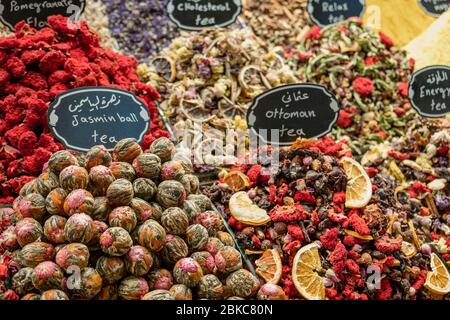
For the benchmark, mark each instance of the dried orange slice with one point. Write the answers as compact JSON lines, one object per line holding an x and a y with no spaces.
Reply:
{"x":165,"y":67}
{"x":243,"y":210}
{"x":305,"y":273}
{"x":269,"y":266}
{"x":359,"y":187}
{"x":438,"y":279}
{"x":358,"y":236}
{"x":237,"y":181}
{"x":408,"y":249}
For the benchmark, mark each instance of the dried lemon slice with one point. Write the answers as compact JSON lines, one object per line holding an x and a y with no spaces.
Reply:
{"x":305,"y":273}
{"x":408,"y":249}
{"x":252,"y":81}
{"x":237,"y":181}
{"x":359,"y":187}
{"x":269,"y":266}
{"x":230,"y":110}
{"x":195,"y":110}
{"x":438,"y":280}
{"x":243,"y":210}
{"x":165,"y":67}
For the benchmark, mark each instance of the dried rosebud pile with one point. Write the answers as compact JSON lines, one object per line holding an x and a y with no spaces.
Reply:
{"x":128,"y":225}
{"x":278,"y":22}
{"x":142,"y":28}
{"x":419,"y":161}
{"x":368,"y":75}
{"x":305,"y":200}
{"x":35,"y":66}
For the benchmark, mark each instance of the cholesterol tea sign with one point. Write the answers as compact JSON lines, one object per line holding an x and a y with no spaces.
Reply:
{"x":84,"y":117}
{"x":195,"y":15}
{"x":283,"y":114}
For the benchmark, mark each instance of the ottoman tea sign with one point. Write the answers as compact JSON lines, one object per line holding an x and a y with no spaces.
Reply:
{"x":325,"y":12}
{"x":429,"y":91}
{"x":195,"y":15}
{"x":84,"y":117}
{"x":283,"y":114}
{"x":35,"y":12}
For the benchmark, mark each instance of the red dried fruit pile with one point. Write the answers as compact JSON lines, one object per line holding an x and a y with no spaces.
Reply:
{"x":361,"y":257}
{"x":35,"y":66}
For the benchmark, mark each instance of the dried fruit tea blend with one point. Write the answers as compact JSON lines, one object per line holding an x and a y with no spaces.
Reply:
{"x":316,"y":235}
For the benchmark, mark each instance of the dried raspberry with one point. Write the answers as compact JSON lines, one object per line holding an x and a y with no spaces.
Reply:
{"x":402,"y":89}
{"x":385,"y":292}
{"x":363,"y":86}
{"x":352,"y":266}
{"x":330,"y":239}
{"x":253,"y":174}
{"x":339,"y":253}
{"x":359,"y":225}
{"x":345,"y":119}
{"x":349,"y":241}
{"x":420,"y":280}
{"x":288,"y":213}
{"x":386,"y":244}
{"x":295,"y":231}
{"x":292,"y":247}
{"x":337,"y":217}
{"x":304,"y":196}
{"x":331,"y":293}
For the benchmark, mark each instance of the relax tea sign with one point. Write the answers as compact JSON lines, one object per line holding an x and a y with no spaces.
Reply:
{"x":84,"y":117}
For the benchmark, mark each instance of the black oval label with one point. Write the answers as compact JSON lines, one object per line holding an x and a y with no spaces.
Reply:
{"x":35,"y":12}
{"x":434,"y":7}
{"x":84,"y":117}
{"x":326,"y":12}
{"x":283,"y":114}
{"x":195,"y":15}
{"x":429,"y":91}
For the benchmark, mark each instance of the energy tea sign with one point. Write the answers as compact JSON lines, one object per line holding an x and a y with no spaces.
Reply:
{"x":434,"y":7}
{"x":84,"y":117}
{"x":195,"y":15}
{"x":283,"y":114}
{"x":35,"y":12}
{"x":429,"y":91}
